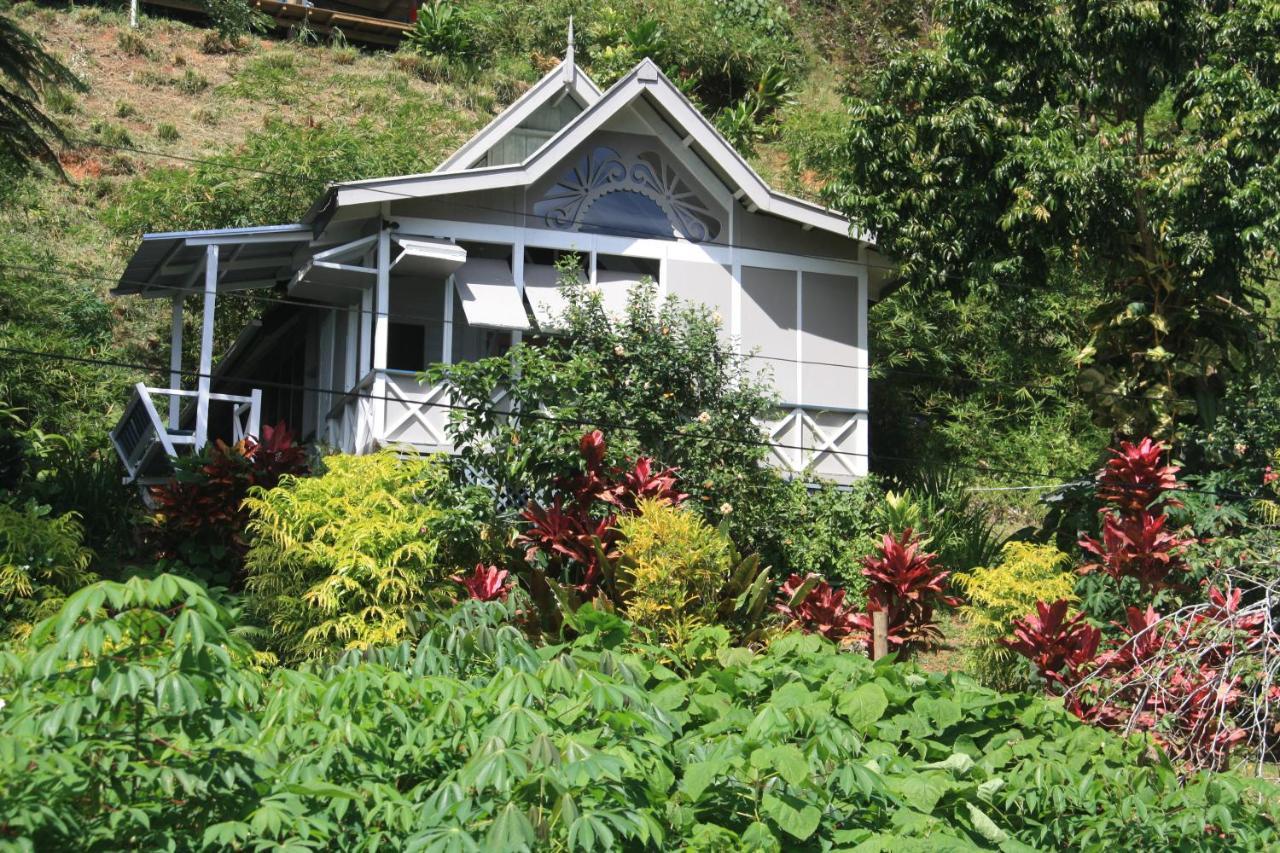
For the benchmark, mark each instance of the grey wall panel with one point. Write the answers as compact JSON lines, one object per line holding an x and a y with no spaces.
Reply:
{"x":773,"y":234}
{"x":769,"y":314}
{"x":829,"y":341}
{"x":710,"y":284}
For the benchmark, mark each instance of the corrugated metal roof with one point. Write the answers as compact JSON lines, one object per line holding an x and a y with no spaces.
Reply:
{"x":248,"y":257}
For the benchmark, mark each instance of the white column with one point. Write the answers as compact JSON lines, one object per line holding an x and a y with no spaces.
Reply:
{"x":351,"y":368}
{"x":517,"y":272}
{"x":862,"y":436}
{"x":446,"y":357}
{"x":328,"y":335}
{"x":175,"y":361}
{"x":366,"y":333}
{"x":381,"y":330}
{"x":206,"y":346}
{"x":800,"y":428}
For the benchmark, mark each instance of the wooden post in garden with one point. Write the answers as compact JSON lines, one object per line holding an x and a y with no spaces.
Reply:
{"x":879,"y":634}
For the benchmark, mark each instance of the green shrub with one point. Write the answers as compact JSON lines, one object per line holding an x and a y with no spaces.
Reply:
{"x":445,"y":28}
{"x":1005,"y":591}
{"x":663,"y":383}
{"x":938,"y":506}
{"x":472,"y":738}
{"x":351,"y":558}
{"x":192,"y":82}
{"x":674,"y":565}
{"x":166,"y":132}
{"x":42,"y":559}
{"x":131,"y":42}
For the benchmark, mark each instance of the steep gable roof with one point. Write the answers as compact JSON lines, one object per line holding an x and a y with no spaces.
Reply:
{"x":646,"y":81}
{"x":565,"y":80}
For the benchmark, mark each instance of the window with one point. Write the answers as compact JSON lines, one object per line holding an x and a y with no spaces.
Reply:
{"x":617,"y":276}
{"x":542,"y":284}
{"x":406,"y":347}
{"x":627,"y":213}
{"x":486,"y":288}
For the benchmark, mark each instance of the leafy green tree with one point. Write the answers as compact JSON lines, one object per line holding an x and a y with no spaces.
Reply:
{"x":662,"y":382}
{"x":1134,"y":145}
{"x":26,"y":69}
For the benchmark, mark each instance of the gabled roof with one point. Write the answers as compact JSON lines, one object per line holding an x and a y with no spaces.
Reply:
{"x":646,"y":81}
{"x":565,"y":80}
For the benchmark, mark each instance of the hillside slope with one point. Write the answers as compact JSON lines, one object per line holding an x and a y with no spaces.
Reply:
{"x":277,"y":118}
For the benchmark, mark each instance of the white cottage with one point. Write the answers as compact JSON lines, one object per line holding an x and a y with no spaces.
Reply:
{"x":382,"y":277}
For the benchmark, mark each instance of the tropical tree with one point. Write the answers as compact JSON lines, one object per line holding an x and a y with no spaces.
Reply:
{"x":1134,"y":145}
{"x":25,"y":71}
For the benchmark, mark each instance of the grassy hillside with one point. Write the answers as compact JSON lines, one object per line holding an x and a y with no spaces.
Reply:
{"x":304,"y":111}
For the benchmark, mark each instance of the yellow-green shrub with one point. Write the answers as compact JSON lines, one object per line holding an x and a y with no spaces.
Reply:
{"x":42,"y":559}
{"x":671,"y":568}
{"x":997,"y":595}
{"x":345,"y":560}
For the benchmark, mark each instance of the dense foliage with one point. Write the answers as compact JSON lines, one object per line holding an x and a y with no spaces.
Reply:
{"x":1130,"y":144}
{"x":134,"y":717}
{"x":663,"y":383}
{"x":200,"y":517}
{"x":42,"y":560}
{"x":1203,"y":676}
{"x":354,"y":558}
{"x":996,"y":595}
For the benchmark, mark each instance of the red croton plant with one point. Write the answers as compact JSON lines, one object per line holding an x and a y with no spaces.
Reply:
{"x":485,"y":583}
{"x":1188,"y":678}
{"x":198,"y":512}
{"x":566,"y":539}
{"x":906,"y":583}
{"x":1134,"y":487}
{"x":816,"y":607}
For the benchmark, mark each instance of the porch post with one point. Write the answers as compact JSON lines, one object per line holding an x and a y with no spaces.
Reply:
{"x":175,"y":362}
{"x":206,"y":347}
{"x":382,"y":329}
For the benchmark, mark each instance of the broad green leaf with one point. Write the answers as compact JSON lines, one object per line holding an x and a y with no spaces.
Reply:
{"x":985,"y":826}
{"x":785,"y":760}
{"x":863,"y":706}
{"x":792,"y":815}
{"x":698,"y":776}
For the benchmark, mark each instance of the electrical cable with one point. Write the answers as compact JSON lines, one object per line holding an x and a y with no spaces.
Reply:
{"x":583,"y":422}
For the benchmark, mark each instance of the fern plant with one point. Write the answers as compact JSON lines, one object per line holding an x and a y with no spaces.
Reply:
{"x":347,"y":559}
{"x":1005,"y":591}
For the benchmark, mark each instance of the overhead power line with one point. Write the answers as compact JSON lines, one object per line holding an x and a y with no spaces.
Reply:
{"x":1058,"y":480}
{"x":880,"y":370}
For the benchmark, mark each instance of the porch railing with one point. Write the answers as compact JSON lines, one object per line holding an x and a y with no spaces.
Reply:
{"x":146,"y":442}
{"x":827,"y":443}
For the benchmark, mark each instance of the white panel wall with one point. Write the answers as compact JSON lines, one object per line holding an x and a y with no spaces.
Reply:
{"x":769,"y":313}
{"x":710,"y":284}
{"x":829,"y":341}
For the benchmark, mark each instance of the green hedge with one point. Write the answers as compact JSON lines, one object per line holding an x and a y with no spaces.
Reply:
{"x":135,"y":720}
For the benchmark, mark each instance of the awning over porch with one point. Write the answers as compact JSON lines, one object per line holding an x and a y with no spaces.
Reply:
{"x":173,"y":261}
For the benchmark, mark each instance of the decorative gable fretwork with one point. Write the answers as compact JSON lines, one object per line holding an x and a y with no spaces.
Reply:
{"x":646,"y":197}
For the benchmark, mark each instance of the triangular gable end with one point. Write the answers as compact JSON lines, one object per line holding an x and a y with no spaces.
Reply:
{"x":646,"y":81}
{"x":530,"y":122}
